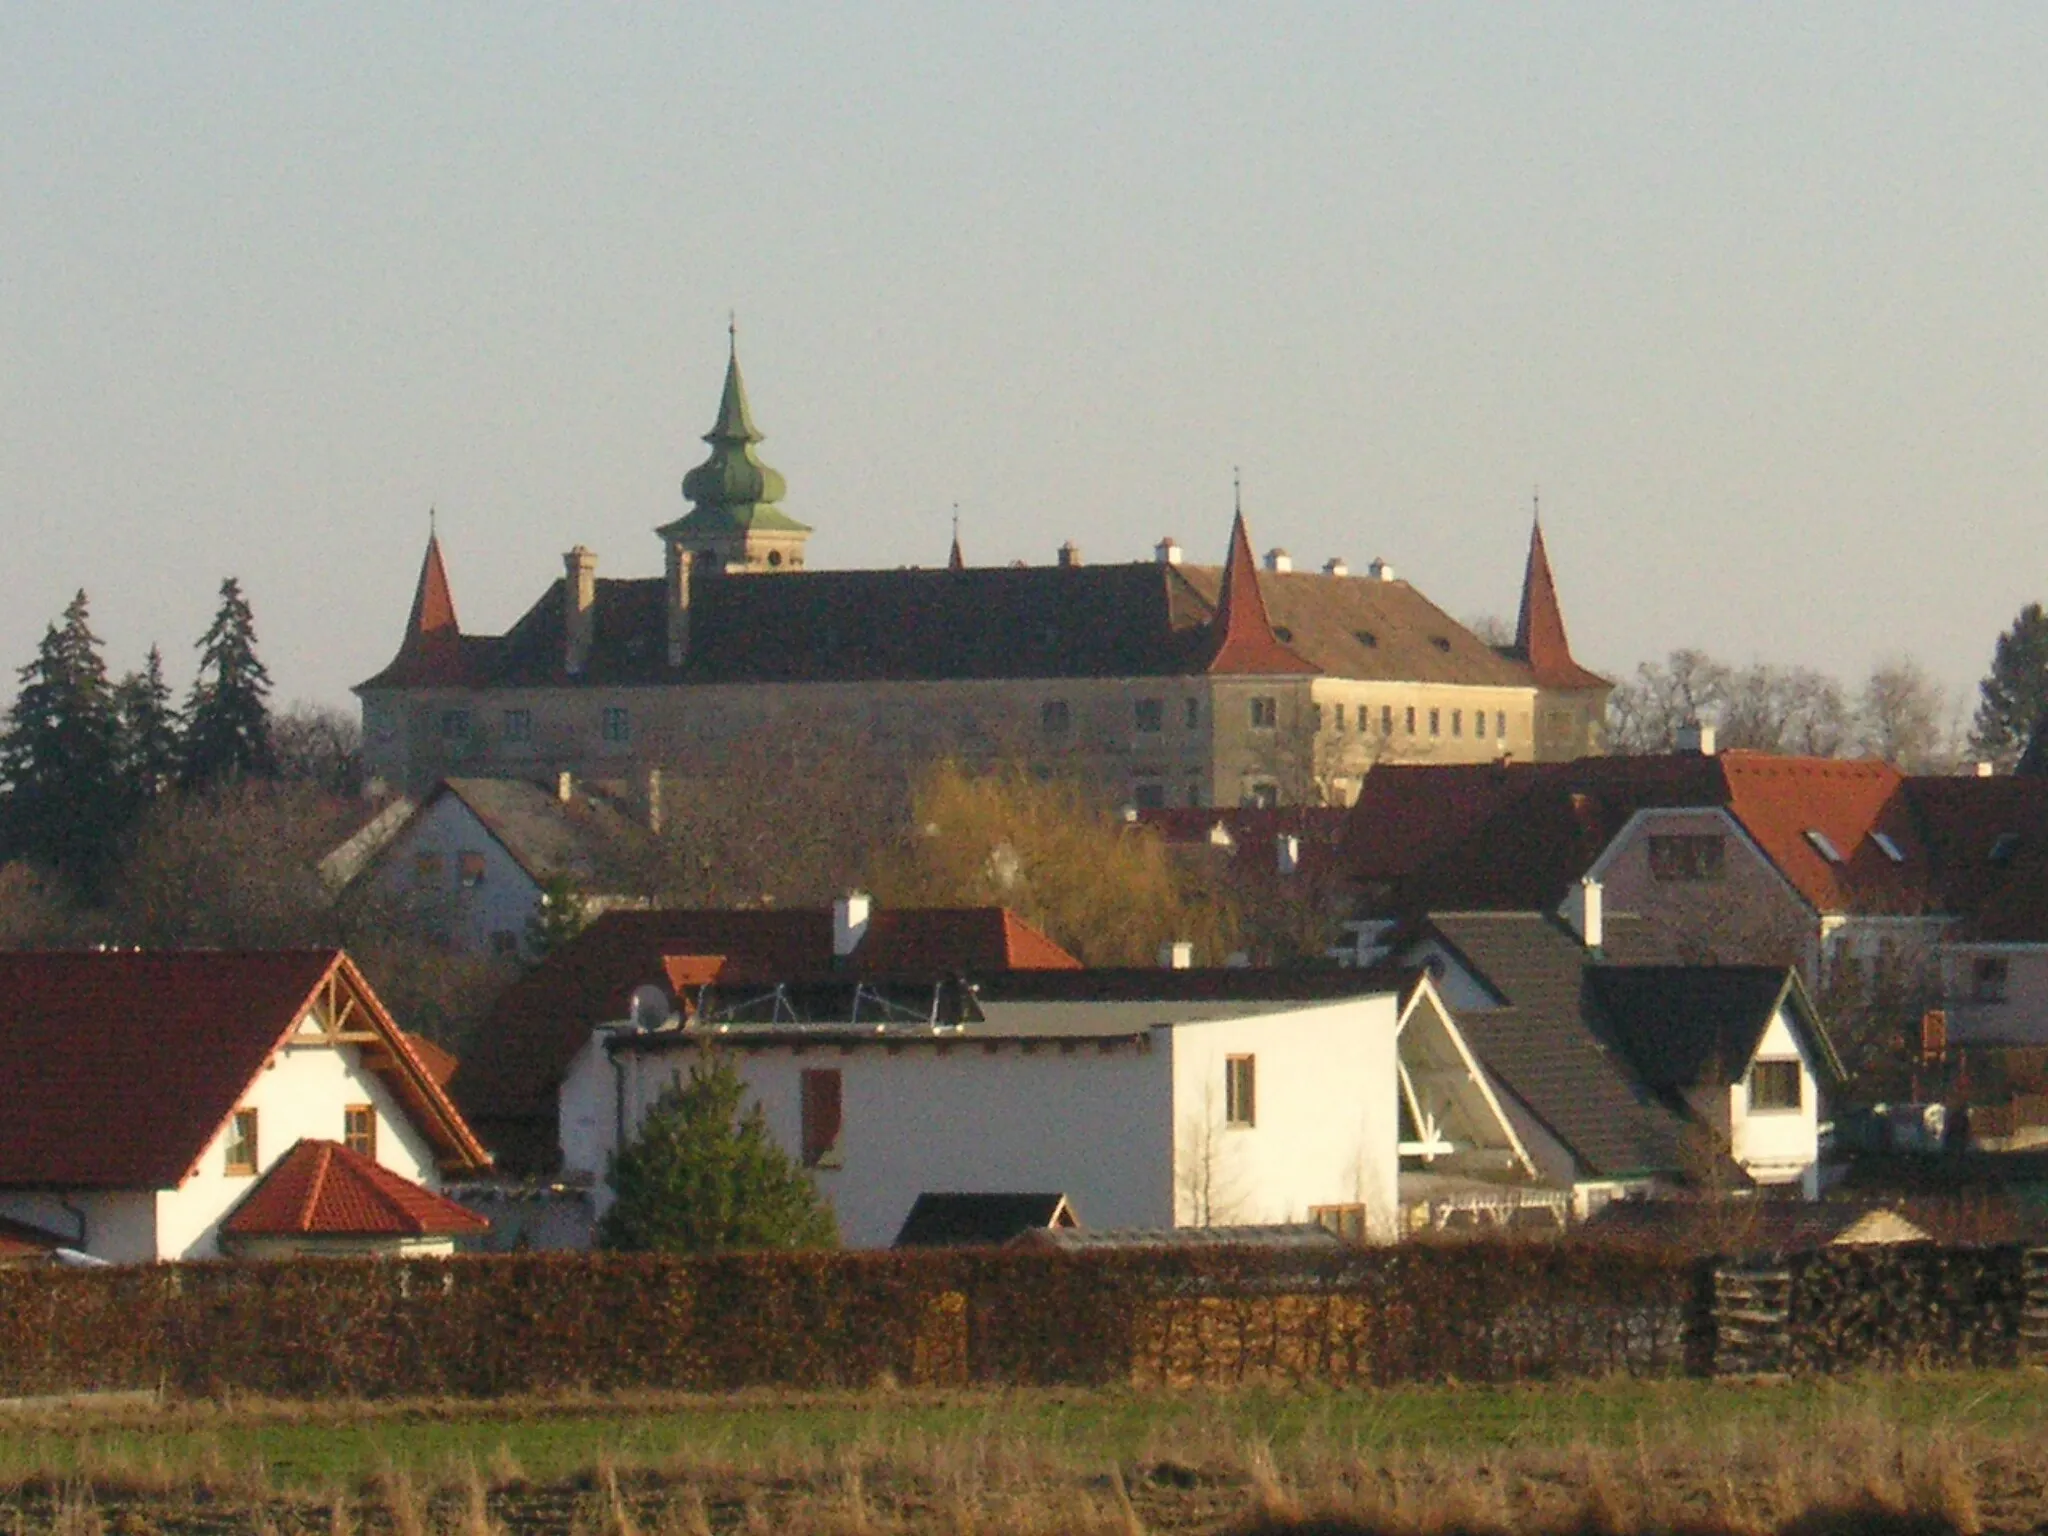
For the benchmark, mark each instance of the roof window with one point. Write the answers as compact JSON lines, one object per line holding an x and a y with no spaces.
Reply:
{"x":1823,"y":845}
{"x":2004,"y":847}
{"x":1887,"y":847}
{"x":1366,"y":638}
{"x":1441,"y":642}
{"x":1283,"y":633}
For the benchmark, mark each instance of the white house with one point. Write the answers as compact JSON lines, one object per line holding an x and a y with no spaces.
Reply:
{"x":1149,"y":1099}
{"x":149,"y":1098}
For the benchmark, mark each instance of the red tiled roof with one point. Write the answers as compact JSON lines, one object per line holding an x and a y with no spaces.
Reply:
{"x":540,"y":1022}
{"x":432,"y":654}
{"x":1539,"y":631}
{"x":321,"y":1188}
{"x":1779,"y":800}
{"x":1245,"y":642}
{"x":122,"y":1066}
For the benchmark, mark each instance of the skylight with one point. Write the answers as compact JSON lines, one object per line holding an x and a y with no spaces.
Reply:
{"x":1887,"y":847}
{"x":1823,"y":845}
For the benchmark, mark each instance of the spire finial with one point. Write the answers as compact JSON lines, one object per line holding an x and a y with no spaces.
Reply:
{"x":1236,"y":491}
{"x":1536,"y":505}
{"x":732,"y":330}
{"x":955,"y":561}
{"x":430,"y":521}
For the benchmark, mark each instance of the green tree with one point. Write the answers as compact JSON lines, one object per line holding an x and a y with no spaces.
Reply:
{"x":227,"y":722}
{"x":2013,"y":697}
{"x":147,"y":724}
{"x":66,"y":809}
{"x":705,"y":1176}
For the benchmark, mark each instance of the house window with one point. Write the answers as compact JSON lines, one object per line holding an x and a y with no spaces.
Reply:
{"x":1265,"y":712}
{"x":1194,"y":791}
{"x":1149,"y":714}
{"x":1340,"y":720}
{"x":1240,"y":1090}
{"x":469,"y":870}
{"x":359,"y":1130}
{"x":454,"y":725}
{"x":1148,"y":794}
{"x":426,"y":868}
{"x":821,"y":1118}
{"x":1457,"y":722}
{"x":241,"y":1158}
{"x":1436,"y":721}
{"x":504,"y":942}
{"x":1411,"y":719}
{"x":1774,"y":1085}
{"x":617,"y":725}
{"x":1387,"y":720}
{"x":1688,"y":857}
{"x":1191,"y":713}
{"x":1347,"y":1221}
{"x":1987,"y":979}
{"x":1054,"y":718}
{"x":1500,"y":723}
{"x":518,"y":725}
{"x":1262,"y":795}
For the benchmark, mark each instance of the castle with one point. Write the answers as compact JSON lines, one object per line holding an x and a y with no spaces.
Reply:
{"x":1166,"y":682}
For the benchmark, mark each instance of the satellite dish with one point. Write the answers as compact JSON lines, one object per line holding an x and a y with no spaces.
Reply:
{"x":650,"y":1008}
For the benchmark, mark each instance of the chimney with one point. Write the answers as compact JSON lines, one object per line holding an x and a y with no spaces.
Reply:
{"x":653,"y":806}
{"x":1167,"y":550}
{"x":1986,"y":770}
{"x":565,"y":786}
{"x":1070,"y":555}
{"x":1582,"y":912}
{"x":1177,"y":956}
{"x":579,"y":606}
{"x":1287,"y":853}
{"x":681,"y":563}
{"x":1696,"y":739}
{"x":1335,"y":566}
{"x":1279,"y":560}
{"x":850,"y":922}
{"x":1379,"y":570}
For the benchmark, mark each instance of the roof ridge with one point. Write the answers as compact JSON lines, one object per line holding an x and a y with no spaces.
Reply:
{"x":316,"y":1185}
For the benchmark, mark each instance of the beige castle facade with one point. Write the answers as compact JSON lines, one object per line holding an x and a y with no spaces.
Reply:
{"x":1167,"y":683}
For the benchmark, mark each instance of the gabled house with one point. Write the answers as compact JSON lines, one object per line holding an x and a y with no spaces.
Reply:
{"x":152,"y":1096}
{"x":509,"y":1079}
{"x":479,"y":855}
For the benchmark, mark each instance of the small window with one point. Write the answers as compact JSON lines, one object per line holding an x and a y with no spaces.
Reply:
{"x":469,"y":870}
{"x":426,"y":868}
{"x":1340,"y":720}
{"x":1265,"y":712}
{"x":1411,"y":719}
{"x":821,"y":1117}
{"x":1283,"y":634}
{"x":518,"y":725}
{"x":504,"y":942}
{"x":1240,"y":1091}
{"x":1500,"y":724}
{"x":1191,"y":713}
{"x":241,"y":1157}
{"x":359,"y":1130}
{"x":1441,"y":642}
{"x":1987,"y":979}
{"x":1347,"y":1221}
{"x":1436,"y":722}
{"x":1148,"y":794}
{"x":454,"y":725}
{"x":1688,"y":857}
{"x":1263,"y":795}
{"x":1774,"y":1085}
{"x":1479,"y":723}
{"x":617,"y":725}
{"x":1366,"y":638}
{"x":1054,"y":718}
{"x":1823,"y":845}
{"x":1194,"y":791}
{"x":1887,"y":847}
{"x":1315,"y":717}
{"x":1387,"y":720}
{"x":1457,"y":722}
{"x":1149,"y":714}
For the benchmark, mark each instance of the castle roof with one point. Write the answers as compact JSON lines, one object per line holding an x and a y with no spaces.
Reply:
{"x":1539,"y":631}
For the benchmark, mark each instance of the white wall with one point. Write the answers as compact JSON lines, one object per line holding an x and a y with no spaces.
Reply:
{"x":503,"y":902}
{"x":1326,"y":1124}
{"x":1779,"y":1146}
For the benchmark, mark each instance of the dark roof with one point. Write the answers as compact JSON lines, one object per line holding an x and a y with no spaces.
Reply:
{"x":322,"y":1189}
{"x":1300,"y":1234}
{"x":21,"y":1243}
{"x":1543,"y":1048}
{"x":962,"y":1220}
{"x":1686,"y":1025}
{"x":122,"y":1066}
{"x":586,"y":839}
{"x":1989,"y":842}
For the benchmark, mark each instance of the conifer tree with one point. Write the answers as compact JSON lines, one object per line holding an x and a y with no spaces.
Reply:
{"x":227,"y":722}
{"x":66,"y":807}
{"x":2014,"y":694}
{"x":150,"y":750}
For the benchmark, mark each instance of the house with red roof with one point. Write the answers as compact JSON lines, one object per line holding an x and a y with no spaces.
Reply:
{"x":202,"y":1104}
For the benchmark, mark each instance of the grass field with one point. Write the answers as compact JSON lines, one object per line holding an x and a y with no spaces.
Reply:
{"x":1968,"y":1450}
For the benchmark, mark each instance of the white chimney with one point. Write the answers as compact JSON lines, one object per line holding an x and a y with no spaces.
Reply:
{"x":1287,"y":853}
{"x":565,"y":786}
{"x":680,"y":564}
{"x":1335,"y":566}
{"x":1177,"y":956}
{"x":1379,"y":570}
{"x":1696,"y":739}
{"x":1168,"y":550}
{"x":1986,"y":770}
{"x":1279,"y":560}
{"x":579,"y":606}
{"x":1583,"y":912}
{"x":850,"y":922}
{"x":1070,"y":555}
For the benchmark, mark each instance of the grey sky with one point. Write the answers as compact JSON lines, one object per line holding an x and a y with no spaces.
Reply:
{"x":1755,"y":294}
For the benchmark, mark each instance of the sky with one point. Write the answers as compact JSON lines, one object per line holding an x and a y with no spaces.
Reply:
{"x":1755,"y":295}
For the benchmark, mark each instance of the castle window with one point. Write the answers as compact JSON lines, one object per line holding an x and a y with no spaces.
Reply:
{"x":1148,"y":794}
{"x":1054,"y":718}
{"x":1149,"y":714}
{"x":1436,"y":722}
{"x":1340,"y":718}
{"x":774,"y":557}
{"x":1411,"y":719}
{"x":1262,"y":796}
{"x":1387,"y":720}
{"x":1191,"y":713}
{"x":454,"y":725}
{"x":1500,"y":723}
{"x":617,"y":725}
{"x":1457,"y":722}
{"x":518,"y":725}
{"x":1315,"y":717}
{"x":1265,"y":712}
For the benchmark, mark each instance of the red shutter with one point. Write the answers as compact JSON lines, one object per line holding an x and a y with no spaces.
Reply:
{"x":821,"y":1115}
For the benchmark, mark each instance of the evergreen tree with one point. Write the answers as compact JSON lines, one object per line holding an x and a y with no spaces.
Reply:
{"x":66,"y":807}
{"x":2015,"y":691}
{"x":705,"y":1177}
{"x":227,"y":723}
{"x":150,"y":750}
{"x":559,"y":917}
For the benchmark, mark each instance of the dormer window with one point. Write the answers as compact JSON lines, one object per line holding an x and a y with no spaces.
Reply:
{"x":1823,"y":845}
{"x":1887,"y":847}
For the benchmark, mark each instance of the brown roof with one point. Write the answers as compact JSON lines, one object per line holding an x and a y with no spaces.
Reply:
{"x":1989,"y":842}
{"x":122,"y":1066}
{"x":432,"y":654}
{"x":1539,"y":630}
{"x":585,"y":838}
{"x":323,"y":1189}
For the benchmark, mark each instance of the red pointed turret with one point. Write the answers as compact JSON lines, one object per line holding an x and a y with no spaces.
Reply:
{"x":1539,"y":632}
{"x":1244,"y":637}
{"x":430,"y":655}
{"x":956,"y":561}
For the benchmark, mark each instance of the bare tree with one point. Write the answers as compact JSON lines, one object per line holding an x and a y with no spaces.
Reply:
{"x":320,"y":745}
{"x":1646,"y":712}
{"x":1904,"y":716}
{"x":1785,"y":709}
{"x":1208,"y":1188}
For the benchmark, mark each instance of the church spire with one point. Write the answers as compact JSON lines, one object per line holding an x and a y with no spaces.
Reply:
{"x":430,"y":655}
{"x":1244,"y":640}
{"x":956,"y":561}
{"x":1539,"y":631}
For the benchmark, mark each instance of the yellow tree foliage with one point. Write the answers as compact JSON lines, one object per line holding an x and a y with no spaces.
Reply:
{"x":1109,"y":891}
